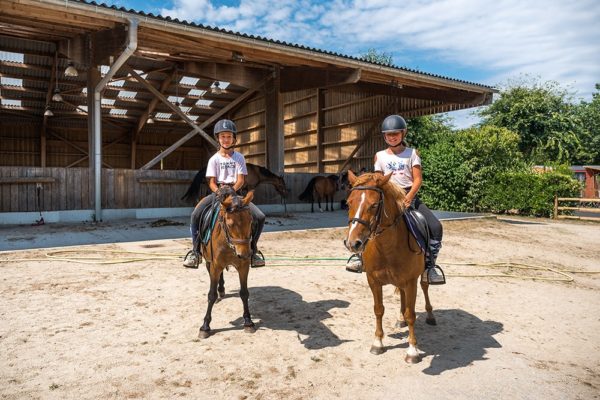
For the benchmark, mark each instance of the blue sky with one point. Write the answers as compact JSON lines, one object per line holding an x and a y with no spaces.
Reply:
{"x":483,"y":41}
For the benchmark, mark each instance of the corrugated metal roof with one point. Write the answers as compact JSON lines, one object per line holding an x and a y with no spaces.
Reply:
{"x":268,"y":40}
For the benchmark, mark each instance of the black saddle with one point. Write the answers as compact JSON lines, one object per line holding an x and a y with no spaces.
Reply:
{"x":417,"y":224}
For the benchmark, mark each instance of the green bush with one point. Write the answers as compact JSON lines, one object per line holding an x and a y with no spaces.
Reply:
{"x":527,"y":192}
{"x":458,"y":168}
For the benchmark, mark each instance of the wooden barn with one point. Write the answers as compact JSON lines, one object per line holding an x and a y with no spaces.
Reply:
{"x":107,"y":112}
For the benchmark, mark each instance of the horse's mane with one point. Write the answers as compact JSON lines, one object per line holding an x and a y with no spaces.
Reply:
{"x":264,"y":171}
{"x":390,"y":188}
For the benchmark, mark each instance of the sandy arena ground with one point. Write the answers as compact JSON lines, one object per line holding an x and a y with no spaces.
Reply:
{"x":129,"y":330}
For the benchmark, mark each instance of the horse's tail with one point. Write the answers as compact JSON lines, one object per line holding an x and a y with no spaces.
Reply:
{"x":193,"y":191}
{"x":307,"y":195}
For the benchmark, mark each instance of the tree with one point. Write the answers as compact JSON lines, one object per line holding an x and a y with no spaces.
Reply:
{"x":545,"y":118}
{"x":424,"y":131}
{"x":589,"y":114}
{"x":374,"y":56}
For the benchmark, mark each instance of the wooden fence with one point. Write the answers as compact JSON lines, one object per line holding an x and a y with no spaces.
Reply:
{"x":58,"y":188}
{"x":591,"y":213}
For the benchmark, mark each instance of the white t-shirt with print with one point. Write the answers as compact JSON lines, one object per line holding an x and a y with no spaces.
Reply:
{"x":226,"y":169}
{"x":400,"y":165}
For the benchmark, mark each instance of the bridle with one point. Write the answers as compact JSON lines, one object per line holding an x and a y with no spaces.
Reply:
{"x":231,"y":241}
{"x":371,"y":226}
{"x":374,"y":227}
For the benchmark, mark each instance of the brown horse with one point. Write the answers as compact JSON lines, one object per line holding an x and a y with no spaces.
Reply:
{"x":257,"y":175}
{"x":320,"y":187}
{"x":229,"y":245}
{"x":390,"y":253}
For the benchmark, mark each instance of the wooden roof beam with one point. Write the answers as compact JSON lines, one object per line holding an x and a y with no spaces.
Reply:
{"x":152,"y":105}
{"x":450,"y":95}
{"x":297,"y":78}
{"x":237,"y":74}
{"x":206,"y":123}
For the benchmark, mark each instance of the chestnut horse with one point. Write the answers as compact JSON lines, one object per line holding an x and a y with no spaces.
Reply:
{"x":390,"y":253}
{"x":229,"y":245}
{"x":320,"y":187}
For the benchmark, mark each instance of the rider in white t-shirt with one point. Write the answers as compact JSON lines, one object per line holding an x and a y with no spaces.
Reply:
{"x":225,"y":168}
{"x":404,"y":164}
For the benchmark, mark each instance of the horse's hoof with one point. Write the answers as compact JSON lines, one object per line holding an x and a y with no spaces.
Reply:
{"x":377,"y":350}
{"x":203,"y":334}
{"x":401,"y":324}
{"x":430,"y":321}
{"x":412,"y":359}
{"x":249,"y":329}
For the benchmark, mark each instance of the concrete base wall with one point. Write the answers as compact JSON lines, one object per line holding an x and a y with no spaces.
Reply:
{"x":20,"y":218}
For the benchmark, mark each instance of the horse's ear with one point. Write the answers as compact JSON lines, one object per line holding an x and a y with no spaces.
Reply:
{"x":227,"y":202}
{"x":386,"y":178}
{"x":248,"y":198}
{"x":351,"y":177}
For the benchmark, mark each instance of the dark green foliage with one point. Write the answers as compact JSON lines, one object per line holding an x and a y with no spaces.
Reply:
{"x":545,"y":118}
{"x":457,"y":169}
{"x":423,"y":132}
{"x":589,"y":113}
{"x":528,"y":193}
{"x":445,"y":177}
{"x":374,"y":56}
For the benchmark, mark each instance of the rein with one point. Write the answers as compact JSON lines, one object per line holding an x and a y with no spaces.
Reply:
{"x":375,"y":229}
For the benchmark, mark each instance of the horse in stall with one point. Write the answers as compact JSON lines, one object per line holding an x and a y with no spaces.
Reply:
{"x":320,"y":187}
{"x":229,"y":245}
{"x":257,"y":175}
{"x":391,"y":255}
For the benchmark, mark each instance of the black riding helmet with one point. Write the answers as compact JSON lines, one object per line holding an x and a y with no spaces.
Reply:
{"x":225,"y":125}
{"x":393,"y":123}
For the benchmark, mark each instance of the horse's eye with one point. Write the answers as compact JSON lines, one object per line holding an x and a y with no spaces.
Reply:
{"x":373,"y":206}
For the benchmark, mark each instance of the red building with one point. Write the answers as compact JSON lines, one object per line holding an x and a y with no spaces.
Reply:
{"x":589,"y":174}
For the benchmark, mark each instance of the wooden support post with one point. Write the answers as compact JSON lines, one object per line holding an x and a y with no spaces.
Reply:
{"x":320,"y":131}
{"x":555,"y":206}
{"x":274,"y":125}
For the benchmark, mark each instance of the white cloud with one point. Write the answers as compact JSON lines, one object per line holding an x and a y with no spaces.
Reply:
{"x":554,"y":39}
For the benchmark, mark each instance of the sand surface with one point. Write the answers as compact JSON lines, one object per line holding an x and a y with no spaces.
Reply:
{"x":129,"y":330}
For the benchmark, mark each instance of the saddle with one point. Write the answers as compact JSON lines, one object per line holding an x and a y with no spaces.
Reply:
{"x":208,"y":220}
{"x":418,"y":227}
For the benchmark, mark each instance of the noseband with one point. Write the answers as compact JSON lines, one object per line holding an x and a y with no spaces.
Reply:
{"x":372,"y":227}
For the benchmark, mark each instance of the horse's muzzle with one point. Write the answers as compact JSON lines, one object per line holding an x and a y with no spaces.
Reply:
{"x":355,"y":246}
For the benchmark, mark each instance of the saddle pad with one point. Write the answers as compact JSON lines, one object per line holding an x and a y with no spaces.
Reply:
{"x":208,"y":222}
{"x":417,"y":225}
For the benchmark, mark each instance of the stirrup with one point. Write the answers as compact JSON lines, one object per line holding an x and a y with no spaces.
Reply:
{"x":192,"y":253}
{"x":434,"y":275}
{"x":355,"y":264}
{"x":259,"y":261}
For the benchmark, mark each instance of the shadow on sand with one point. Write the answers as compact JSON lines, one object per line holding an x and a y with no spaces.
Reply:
{"x":458,"y":339}
{"x":278,"y":308}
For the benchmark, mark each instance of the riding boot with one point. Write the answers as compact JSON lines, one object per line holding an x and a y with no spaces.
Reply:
{"x":193,"y":257}
{"x":433,"y":274}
